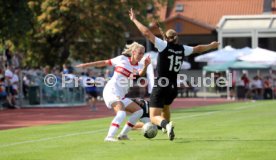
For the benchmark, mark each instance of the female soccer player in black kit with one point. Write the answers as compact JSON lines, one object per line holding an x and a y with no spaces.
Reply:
{"x":170,"y":58}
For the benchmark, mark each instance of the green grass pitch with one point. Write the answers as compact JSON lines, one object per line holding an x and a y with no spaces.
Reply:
{"x":234,"y":131}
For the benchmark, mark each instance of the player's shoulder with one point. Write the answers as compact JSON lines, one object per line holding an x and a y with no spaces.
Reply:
{"x":120,"y":58}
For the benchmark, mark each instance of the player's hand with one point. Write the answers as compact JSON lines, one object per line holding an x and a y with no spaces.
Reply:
{"x":131,"y":14}
{"x":147,"y":61}
{"x":80,"y":65}
{"x":215,"y":44}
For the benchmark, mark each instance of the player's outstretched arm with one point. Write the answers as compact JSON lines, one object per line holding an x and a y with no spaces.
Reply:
{"x":203,"y":48}
{"x":143,"y":29}
{"x":102,"y":63}
{"x":161,"y":31}
{"x":146,"y":64}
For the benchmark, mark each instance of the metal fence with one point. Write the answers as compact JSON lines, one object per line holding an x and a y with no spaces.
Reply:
{"x":34,"y":92}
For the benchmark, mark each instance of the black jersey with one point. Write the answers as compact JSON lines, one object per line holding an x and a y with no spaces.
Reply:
{"x":169,"y":62}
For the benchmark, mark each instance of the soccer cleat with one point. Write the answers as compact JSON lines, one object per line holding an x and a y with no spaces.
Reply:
{"x":110,"y":139}
{"x":123,"y":137}
{"x":170,"y":132}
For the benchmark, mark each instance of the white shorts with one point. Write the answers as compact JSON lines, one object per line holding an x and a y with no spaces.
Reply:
{"x":111,"y":95}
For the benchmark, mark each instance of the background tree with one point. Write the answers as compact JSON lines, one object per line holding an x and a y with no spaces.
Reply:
{"x":15,"y":21}
{"x":79,"y":29}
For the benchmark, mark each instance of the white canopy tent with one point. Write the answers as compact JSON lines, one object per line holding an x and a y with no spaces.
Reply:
{"x":231,"y":66}
{"x":185,"y":65}
{"x":209,"y":56}
{"x":228,"y":56}
{"x":260,"y":55}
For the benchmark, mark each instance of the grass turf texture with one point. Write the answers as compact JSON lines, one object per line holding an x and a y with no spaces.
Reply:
{"x":235,"y":131}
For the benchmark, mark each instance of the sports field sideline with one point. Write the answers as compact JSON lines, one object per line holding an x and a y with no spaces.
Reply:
{"x":55,"y":115}
{"x":243,"y":130}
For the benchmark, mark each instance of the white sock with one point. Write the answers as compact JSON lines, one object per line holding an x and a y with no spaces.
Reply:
{"x":116,"y":122}
{"x":131,"y":121}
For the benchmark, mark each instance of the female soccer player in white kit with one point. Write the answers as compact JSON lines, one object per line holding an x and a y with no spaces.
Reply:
{"x":126,"y":67}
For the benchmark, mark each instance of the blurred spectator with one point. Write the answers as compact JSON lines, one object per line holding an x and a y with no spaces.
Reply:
{"x":91,"y":90}
{"x":15,"y":80}
{"x":107,"y":74}
{"x":3,"y":93}
{"x":233,"y":89}
{"x":46,"y":70}
{"x":2,"y":62}
{"x":256,"y":88}
{"x":16,"y":60}
{"x":246,"y":83}
{"x":218,"y":89}
{"x":70,"y":81}
{"x":8,"y":55}
{"x":181,"y":88}
{"x":100,"y":88}
{"x":240,"y":89}
{"x":26,"y":84}
{"x":9,"y":88}
{"x":187,"y":88}
{"x":58,"y":94}
{"x":245,"y":80}
{"x":268,"y":88}
{"x":65,"y":69}
{"x":190,"y":89}
{"x":15,"y":86}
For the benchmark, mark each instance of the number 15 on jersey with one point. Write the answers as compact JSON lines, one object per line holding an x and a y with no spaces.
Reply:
{"x":175,"y":63}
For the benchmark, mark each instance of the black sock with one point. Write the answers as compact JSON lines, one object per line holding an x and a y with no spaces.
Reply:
{"x":164,"y":123}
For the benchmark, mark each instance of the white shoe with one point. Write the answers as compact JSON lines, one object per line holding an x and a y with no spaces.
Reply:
{"x":164,"y":130}
{"x":170,"y":132}
{"x":110,"y":139}
{"x":123,"y":137}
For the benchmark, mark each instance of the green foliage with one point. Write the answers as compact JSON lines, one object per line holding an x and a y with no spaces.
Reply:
{"x":15,"y":20}
{"x":80,"y":29}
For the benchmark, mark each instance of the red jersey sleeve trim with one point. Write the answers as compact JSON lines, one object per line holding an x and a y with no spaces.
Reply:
{"x":109,"y":62}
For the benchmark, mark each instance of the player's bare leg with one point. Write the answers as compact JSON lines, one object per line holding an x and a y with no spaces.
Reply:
{"x":166,"y":113}
{"x":157,"y":119}
{"x":116,"y":122}
{"x":137,"y":112}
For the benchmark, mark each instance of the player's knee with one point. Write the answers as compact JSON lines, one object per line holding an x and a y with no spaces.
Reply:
{"x":139,"y":113}
{"x":121,"y":115}
{"x":119,"y":118}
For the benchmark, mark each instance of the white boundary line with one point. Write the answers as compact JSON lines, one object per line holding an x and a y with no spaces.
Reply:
{"x":52,"y":138}
{"x":212,"y":112}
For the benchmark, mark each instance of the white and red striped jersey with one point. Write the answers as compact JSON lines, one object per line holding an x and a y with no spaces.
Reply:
{"x":123,"y":73}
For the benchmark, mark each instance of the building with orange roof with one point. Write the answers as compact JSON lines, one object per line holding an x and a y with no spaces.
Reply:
{"x":197,"y":21}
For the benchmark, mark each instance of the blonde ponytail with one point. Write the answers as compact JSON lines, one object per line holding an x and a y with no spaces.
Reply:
{"x":131,"y":47}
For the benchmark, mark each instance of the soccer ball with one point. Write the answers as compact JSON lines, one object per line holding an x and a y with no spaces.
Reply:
{"x":150,"y":130}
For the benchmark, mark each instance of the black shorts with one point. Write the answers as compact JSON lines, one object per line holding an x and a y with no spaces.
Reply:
{"x":92,"y":94}
{"x":10,"y":90}
{"x":161,"y":96}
